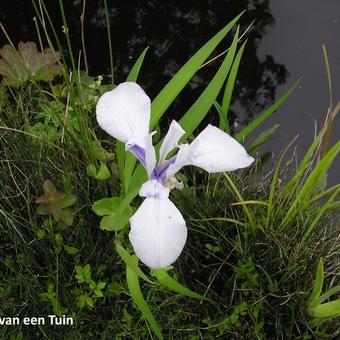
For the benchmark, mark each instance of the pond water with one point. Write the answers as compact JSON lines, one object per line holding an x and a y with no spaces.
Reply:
{"x":284,"y":44}
{"x":295,"y":41}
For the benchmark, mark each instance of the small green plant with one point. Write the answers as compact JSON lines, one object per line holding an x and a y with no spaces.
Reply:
{"x":59,"y":245}
{"x":107,"y":208}
{"x":91,"y":291}
{"x":246,"y":272}
{"x":317,"y":308}
{"x":51,"y":296}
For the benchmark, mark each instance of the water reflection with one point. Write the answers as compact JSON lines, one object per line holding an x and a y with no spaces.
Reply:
{"x":174,"y":30}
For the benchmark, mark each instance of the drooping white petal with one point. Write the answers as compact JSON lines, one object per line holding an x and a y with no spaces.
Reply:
{"x":153,"y":188}
{"x":215,"y":151}
{"x":158,"y":232}
{"x":124,"y":113}
{"x":171,"y":139}
{"x":150,"y":154}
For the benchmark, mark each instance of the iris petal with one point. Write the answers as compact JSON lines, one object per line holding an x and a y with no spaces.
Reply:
{"x":158,"y":232}
{"x":183,"y":158}
{"x":150,"y":154}
{"x":212,"y":150}
{"x":170,"y":141}
{"x":124,"y":113}
{"x":215,"y":151}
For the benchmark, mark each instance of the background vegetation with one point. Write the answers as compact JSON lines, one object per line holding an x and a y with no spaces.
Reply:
{"x":261,"y":261}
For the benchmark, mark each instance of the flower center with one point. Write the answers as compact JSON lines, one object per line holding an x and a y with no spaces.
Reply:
{"x":153,"y":188}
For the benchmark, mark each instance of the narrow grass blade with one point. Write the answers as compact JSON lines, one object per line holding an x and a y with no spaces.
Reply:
{"x":221,"y":219}
{"x":134,"y":72}
{"x":265,"y":115}
{"x":261,"y":161}
{"x":109,"y":40}
{"x":329,"y":119}
{"x":138,"y":299}
{"x":301,"y":170}
{"x":229,"y":88}
{"x":318,"y":321}
{"x":328,"y":294}
{"x":329,"y":75}
{"x":166,"y":280}
{"x":120,"y":156}
{"x":130,"y":262}
{"x":311,"y":184}
{"x":247,"y":212}
{"x":67,"y":35}
{"x":263,"y":138}
{"x":327,"y":193}
{"x":41,"y":16}
{"x":275,"y":180}
{"x":316,"y":219}
{"x":200,"y":108}
{"x":318,"y":284}
{"x":183,"y":76}
{"x":129,"y":165}
{"x":251,"y":202}
{"x":292,"y":184}
{"x":223,"y":123}
{"x":335,"y":205}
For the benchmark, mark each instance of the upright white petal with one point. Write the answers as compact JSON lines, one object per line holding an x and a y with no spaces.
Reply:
{"x":150,"y":154}
{"x":158,"y":232}
{"x":215,"y":151}
{"x":171,"y":139}
{"x":183,"y":158}
{"x":124,"y":113}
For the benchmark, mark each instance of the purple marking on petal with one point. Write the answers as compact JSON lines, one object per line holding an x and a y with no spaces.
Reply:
{"x":139,"y":153}
{"x":159,"y":172}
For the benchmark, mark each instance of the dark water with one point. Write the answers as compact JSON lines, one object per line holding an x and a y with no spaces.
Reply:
{"x":295,"y":40}
{"x":283,"y":44}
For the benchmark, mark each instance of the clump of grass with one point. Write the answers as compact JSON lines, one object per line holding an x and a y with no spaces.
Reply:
{"x":261,"y":280}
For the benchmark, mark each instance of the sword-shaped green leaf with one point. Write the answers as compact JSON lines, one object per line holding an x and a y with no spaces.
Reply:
{"x":138,"y":299}
{"x":265,"y":115}
{"x":130,"y":262}
{"x":231,"y":83}
{"x":200,"y":108}
{"x":183,"y":76}
{"x":134,"y":72}
{"x":166,"y":280}
{"x":318,"y":284}
{"x":326,"y":310}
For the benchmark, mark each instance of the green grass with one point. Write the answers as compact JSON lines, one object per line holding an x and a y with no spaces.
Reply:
{"x":258,"y":284}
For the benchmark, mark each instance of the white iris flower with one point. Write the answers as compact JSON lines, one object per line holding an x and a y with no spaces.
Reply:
{"x":158,"y":231}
